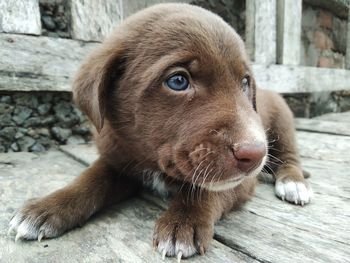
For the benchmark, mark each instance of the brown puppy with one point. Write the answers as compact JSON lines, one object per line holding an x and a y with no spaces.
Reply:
{"x":174,"y":102}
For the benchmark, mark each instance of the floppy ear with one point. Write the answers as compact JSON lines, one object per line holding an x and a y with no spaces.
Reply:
{"x":94,"y":80}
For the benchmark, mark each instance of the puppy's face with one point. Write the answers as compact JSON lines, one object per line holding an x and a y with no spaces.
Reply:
{"x":178,"y":90}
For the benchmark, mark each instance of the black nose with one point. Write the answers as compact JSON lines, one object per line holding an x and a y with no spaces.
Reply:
{"x":249,"y":155}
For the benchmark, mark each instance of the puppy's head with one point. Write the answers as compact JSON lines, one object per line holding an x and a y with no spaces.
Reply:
{"x":175,"y":85}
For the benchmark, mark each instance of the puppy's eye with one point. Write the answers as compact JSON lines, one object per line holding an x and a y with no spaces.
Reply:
{"x":177,"y":82}
{"x":246,"y":85}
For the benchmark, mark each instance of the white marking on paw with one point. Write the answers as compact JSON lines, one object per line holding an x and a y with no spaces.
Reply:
{"x":186,"y":250}
{"x":180,"y":250}
{"x":294,"y":192}
{"x":166,"y":248}
{"x":24,"y":229}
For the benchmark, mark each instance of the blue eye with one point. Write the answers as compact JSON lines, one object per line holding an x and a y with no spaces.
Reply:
{"x":177,"y":82}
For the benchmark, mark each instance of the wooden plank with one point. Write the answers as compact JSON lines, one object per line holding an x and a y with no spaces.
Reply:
{"x":329,"y":177}
{"x":43,"y":63}
{"x":122,"y":233}
{"x":84,"y":153}
{"x":94,"y":20}
{"x":289,"y":13}
{"x":290,"y":79}
{"x":320,"y":126}
{"x":347,"y":58}
{"x":40,"y":63}
{"x":273,"y":241}
{"x":261,"y":30}
{"x":326,"y":147}
{"x":20,"y":16}
{"x":312,"y":218}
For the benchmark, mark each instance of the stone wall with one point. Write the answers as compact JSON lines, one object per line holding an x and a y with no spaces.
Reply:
{"x":40,"y":120}
{"x":232,"y":11}
{"x":323,"y":40}
{"x":309,"y":105}
{"x":55,"y":18}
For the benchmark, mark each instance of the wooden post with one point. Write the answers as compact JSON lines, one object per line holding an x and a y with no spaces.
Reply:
{"x":347,"y":59}
{"x":93,"y":20}
{"x":289,"y":15}
{"x":20,"y":16}
{"x":261,"y":30}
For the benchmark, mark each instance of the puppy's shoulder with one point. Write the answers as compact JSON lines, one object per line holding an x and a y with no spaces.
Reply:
{"x":271,"y":104}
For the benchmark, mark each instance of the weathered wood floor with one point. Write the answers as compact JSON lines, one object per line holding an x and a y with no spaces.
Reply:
{"x":265,"y":230}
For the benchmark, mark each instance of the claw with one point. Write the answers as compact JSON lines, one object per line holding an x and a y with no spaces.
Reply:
{"x":296,"y":201}
{"x":41,"y":235}
{"x":18,"y":236}
{"x":179,"y":256}
{"x":282,"y":197}
{"x":201,"y":250}
{"x":163,"y":254}
{"x":302,"y":203}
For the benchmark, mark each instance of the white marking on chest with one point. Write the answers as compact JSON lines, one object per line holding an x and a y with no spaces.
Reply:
{"x":154,"y":181}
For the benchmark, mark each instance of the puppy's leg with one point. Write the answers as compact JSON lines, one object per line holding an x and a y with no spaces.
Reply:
{"x":283,"y":156}
{"x":52,"y":215}
{"x":187,"y":227}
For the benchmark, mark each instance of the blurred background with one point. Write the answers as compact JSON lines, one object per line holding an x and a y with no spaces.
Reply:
{"x":300,"y":48}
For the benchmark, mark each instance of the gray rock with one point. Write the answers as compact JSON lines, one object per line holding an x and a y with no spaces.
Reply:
{"x":2,"y":149}
{"x":33,"y":133}
{"x":81,"y":130}
{"x":43,"y":132}
{"x":47,"y":97}
{"x":25,"y":143}
{"x":8,"y":133}
{"x":48,"y":22}
{"x":19,"y":134}
{"x":52,"y":34}
{"x":61,"y":134}
{"x":68,"y":121}
{"x":64,"y":112}
{"x":82,"y":116}
{"x":6,"y":99}
{"x":44,"y":108}
{"x":37,"y":148}
{"x":21,"y":114}
{"x":75,"y":139}
{"x":63,"y":108}
{"x":48,"y":120}
{"x":344,"y":104}
{"x":14,"y":147}
{"x":33,"y":122}
{"x":6,"y":120}
{"x":46,"y":141}
{"x":26,"y":99}
{"x":63,"y":34}
{"x":6,"y":108}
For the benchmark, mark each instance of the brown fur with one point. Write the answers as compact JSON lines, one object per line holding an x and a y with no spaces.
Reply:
{"x":141,"y":124}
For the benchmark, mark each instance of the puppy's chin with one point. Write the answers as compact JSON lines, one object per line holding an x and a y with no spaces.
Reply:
{"x":234,"y":181}
{"x":224,"y":185}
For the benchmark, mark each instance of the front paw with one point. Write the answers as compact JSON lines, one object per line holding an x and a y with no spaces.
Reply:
{"x":182,"y":236}
{"x":39,"y":218}
{"x":297,"y":192}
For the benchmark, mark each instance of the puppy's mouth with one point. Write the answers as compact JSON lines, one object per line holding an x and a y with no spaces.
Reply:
{"x":224,"y":185}
{"x":215,"y":167}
